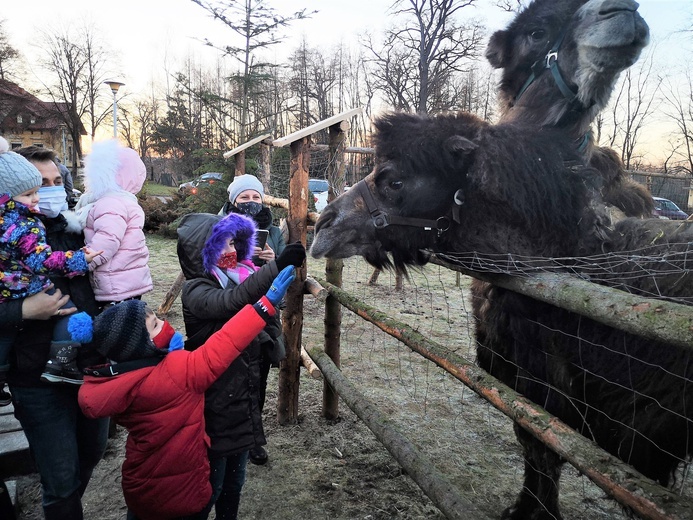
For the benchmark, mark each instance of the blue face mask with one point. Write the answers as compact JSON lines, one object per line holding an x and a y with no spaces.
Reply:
{"x":53,"y":200}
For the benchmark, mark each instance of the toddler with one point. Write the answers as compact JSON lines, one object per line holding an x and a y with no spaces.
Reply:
{"x":156,"y":391}
{"x":113,"y":221}
{"x":26,"y":261}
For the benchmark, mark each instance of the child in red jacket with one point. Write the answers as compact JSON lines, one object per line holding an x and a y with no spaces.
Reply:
{"x":156,"y":391}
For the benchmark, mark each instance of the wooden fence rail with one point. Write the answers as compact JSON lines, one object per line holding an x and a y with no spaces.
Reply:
{"x":647,"y":498}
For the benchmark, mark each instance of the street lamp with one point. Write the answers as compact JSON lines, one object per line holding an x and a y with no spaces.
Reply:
{"x":115,"y":85}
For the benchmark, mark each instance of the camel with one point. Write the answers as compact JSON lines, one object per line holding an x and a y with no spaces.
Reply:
{"x":560,"y":60}
{"x":510,"y":189}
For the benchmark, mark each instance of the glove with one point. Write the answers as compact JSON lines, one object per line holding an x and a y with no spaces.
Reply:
{"x":293,"y":254}
{"x":281,"y":283}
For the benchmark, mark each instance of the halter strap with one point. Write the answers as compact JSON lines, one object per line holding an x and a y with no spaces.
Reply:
{"x":382,"y":219}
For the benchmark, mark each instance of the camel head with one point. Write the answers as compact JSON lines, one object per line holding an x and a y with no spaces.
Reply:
{"x":560,"y":59}
{"x":420,"y":164}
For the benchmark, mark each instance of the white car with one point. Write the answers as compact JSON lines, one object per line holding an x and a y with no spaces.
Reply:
{"x":319,"y":188}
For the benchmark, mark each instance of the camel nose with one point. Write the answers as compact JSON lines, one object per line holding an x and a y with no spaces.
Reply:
{"x":615,"y":6}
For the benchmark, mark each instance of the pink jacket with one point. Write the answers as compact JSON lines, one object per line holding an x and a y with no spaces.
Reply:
{"x":114,"y":221}
{"x":114,"y":225}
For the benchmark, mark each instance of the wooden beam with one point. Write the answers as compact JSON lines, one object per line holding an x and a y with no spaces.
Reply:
{"x":431,"y":480}
{"x":242,"y":147}
{"x":321,"y":125}
{"x":284,"y":203}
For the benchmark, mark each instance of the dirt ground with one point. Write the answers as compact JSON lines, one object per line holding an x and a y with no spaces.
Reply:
{"x":321,"y":469}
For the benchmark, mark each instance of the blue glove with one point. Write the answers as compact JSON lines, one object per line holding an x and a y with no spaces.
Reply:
{"x":281,"y":284}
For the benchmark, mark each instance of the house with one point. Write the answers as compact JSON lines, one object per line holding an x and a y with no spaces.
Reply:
{"x":26,"y":120}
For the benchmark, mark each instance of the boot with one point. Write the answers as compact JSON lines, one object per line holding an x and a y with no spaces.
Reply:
{"x":62,"y":364}
{"x":5,"y":396}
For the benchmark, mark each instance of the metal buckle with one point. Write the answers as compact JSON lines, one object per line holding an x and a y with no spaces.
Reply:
{"x":551,"y":54}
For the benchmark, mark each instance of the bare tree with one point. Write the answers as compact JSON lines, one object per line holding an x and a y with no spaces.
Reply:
{"x":9,"y":56}
{"x":511,"y":6}
{"x":678,"y":98}
{"x":257,"y":24}
{"x":75,"y":61}
{"x":633,"y":105}
{"x":425,"y":51}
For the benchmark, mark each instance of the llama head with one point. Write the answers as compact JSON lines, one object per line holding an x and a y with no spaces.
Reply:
{"x":589,"y":42}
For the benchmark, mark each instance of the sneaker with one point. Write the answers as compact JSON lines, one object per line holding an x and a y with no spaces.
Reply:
{"x":258,"y":456}
{"x":62,"y":365}
{"x":5,"y":397}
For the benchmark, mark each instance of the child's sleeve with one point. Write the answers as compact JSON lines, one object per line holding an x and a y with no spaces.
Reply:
{"x":207,"y":363}
{"x":38,"y":256}
{"x":109,"y":226}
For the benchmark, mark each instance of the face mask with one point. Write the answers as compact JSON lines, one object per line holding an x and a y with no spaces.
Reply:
{"x":228,"y":260}
{"x":53,"y":200}
{"x":249,"y":208}
{"x":168,"y":338}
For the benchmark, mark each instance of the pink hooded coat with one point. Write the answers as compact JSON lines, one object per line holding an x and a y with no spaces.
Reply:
{"x":113,"y":221}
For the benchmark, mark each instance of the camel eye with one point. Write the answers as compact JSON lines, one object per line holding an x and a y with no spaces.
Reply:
{"x":538,"y":35}
{"x":396,"y":185}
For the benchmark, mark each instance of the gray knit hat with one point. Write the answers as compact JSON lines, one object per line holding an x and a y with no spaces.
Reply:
{"x":118,"y":333}
{"x":242,"y":183}
{"x":17,"y":175}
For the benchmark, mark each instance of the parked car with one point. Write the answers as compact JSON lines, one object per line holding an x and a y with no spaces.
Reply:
{"x":319,"y":188}
{"x":204,"y":179}
{"x":664,"y":208}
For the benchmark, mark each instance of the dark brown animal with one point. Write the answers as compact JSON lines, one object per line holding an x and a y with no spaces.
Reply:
{"x":454,"y":184}
{"x":560,"y":60}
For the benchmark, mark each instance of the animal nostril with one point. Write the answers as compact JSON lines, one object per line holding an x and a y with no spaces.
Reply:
{"x":615,"y":6}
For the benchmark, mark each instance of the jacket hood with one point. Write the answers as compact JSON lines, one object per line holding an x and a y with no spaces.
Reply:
{"x":112,"y":168}
{"x":193,"y":231}
{"x":239,"y":227}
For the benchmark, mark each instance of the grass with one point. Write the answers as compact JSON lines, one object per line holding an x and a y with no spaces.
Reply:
{"x":159,"y":190}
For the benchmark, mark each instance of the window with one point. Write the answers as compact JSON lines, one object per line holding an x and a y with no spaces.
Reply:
{"x":16,"y":146}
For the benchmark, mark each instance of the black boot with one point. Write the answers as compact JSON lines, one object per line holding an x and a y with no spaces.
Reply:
{"x":62,"y":364}
{"x":67,"y":509}
{"x":5,"y":396}
{"x":258,"y":456}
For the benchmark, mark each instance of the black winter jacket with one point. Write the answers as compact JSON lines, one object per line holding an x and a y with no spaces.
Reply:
{"x":30,"y":353}
{"x":232,"y":410}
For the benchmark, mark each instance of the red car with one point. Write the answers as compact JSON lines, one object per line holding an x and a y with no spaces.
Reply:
{"x":664,"y":208}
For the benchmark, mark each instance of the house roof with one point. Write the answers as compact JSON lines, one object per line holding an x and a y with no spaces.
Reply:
{"x":35,"y":114}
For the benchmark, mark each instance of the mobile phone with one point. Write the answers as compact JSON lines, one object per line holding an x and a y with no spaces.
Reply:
{"x":261,"y":238}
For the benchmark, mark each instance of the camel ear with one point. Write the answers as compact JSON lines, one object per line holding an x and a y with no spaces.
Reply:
{"x":495,"y":52}
{"x":458,"y":145}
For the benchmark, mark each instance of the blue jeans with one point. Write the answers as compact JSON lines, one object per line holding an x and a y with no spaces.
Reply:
{"x":65,"y":445}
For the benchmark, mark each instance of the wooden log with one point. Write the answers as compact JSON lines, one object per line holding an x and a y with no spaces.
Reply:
{"x":444,"y":495}
{"x":317,"y":290}
{"x":646,"y":317}
{"x":171,"y":295}
{"x":309,"y":364}
{"x":289,"y":370}
{"x":284,"y":203}
{"x":644,"y":496}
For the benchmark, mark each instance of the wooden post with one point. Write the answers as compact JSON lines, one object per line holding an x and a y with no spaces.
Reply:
{"x":240,"y":163}
{"x":333,"y":269}
{"x":265,"y":174}
{"x":171,"y":295}
{"x":289,"y":371}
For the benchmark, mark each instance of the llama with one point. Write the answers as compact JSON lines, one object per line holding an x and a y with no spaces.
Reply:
{"x":560,"y":60}
{"x":509,"y":189}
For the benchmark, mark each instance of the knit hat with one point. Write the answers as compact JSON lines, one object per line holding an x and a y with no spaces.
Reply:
{"x":118,"y":333}
{"x":241,"y":228}
{"x":17,"y":175}
{"x":242,"y":183}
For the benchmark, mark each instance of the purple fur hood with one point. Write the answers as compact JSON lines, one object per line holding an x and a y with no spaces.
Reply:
{"x":241,"y":228}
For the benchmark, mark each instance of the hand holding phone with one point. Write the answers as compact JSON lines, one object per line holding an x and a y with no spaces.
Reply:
{"x":261,"y":238}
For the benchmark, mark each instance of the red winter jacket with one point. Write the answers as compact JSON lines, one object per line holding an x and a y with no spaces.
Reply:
{"x":166,"y":468}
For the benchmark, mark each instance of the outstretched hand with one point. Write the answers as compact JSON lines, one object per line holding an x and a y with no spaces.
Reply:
{"x":281,"y":284}
{"x":90,"y":254}
{"x":293,"y":254}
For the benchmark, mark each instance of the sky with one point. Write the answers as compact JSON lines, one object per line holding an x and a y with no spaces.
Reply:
{"x":147,"y":35}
